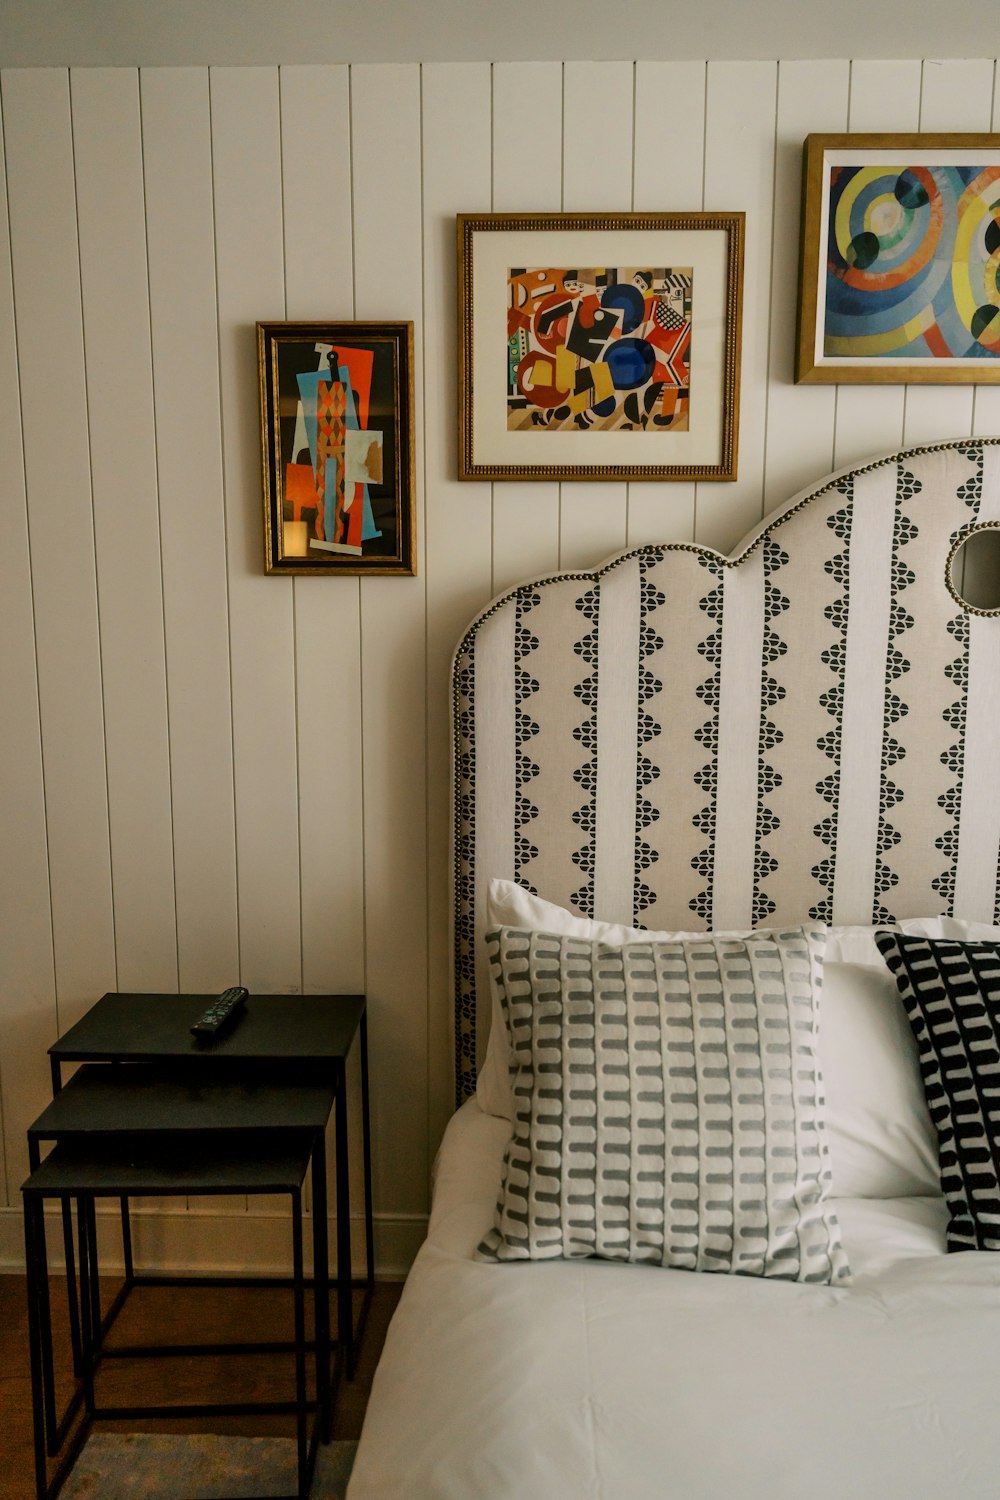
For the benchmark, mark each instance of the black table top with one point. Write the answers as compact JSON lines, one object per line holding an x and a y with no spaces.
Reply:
{"x":154,"y":1027}
{"x":144,"y":1098}
{"x":272,"y":1165}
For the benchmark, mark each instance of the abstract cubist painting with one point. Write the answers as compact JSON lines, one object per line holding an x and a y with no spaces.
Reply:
{"x":337,"y":428}
{"x":913,"y":262}
{"x":598,"y":349}
{"x":334,"y":443}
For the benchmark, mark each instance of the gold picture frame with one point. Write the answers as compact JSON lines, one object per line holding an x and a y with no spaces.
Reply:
{"x":898,"y":260}
{"x":599,"y":346}
{"x":337,"y":446}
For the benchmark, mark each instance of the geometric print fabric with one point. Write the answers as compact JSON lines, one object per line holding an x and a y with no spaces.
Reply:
{"x":668,"y":1105}
{"x":951,"y":994}
{"x":641,"y":762}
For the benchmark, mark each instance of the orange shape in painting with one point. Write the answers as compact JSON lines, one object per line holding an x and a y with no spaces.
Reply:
{"x":300,"y":490}
{"x":538,"y":282}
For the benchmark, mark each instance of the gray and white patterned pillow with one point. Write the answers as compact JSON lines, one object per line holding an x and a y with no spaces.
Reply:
{"x":668,"y":1104}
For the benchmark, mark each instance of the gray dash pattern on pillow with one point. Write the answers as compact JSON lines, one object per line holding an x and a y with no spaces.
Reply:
{"x":668,"y":1104}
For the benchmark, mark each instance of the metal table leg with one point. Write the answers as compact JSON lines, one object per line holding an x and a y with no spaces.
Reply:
{"x":345,"y":1312}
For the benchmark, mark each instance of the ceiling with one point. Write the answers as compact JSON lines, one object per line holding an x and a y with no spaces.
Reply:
{"x":92,"y":33}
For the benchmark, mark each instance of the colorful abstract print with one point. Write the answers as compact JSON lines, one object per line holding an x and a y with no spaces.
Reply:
{"x":598,"y":349}
{"x":336,"y":454}
{"x":913,"y":263}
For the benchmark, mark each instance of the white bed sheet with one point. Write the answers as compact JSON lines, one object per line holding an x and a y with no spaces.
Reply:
{"x":565,"y":1380}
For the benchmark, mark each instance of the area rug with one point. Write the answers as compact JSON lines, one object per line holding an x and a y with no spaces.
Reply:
{"x":160,"y":1467}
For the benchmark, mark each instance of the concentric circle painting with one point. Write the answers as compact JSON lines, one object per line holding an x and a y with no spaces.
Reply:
{"x":901,"y":259}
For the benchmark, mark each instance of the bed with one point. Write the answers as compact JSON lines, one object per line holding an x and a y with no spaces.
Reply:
{"x":718,"y":1214}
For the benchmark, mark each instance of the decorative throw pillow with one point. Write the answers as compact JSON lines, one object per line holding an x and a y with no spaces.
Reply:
{"x":951,"y":994}
{"x":668,"y":1104}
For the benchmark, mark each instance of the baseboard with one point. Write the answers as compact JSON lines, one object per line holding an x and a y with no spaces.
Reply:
{"x":194,"y":1242}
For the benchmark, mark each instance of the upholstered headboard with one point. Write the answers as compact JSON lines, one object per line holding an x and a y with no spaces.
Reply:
{"x":806,"y":729}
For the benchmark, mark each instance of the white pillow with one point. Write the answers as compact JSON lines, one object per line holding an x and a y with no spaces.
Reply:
{"x":882,"y":1142}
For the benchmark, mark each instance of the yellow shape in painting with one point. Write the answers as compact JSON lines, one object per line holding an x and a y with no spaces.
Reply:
{"x":580,"y":401}
{"x":541,"y":372}
{"x":565,"y":368}
{"x":880,"y":343}
{"x":603,"y":384}
{"x":966,"y":300}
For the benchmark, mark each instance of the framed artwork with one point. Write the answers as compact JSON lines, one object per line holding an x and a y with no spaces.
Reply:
{"x":899,"y":274}
{"x":336,"y":409}
{"x":599,"y":346}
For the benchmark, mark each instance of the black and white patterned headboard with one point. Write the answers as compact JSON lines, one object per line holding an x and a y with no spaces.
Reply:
{"x":807,"y":729}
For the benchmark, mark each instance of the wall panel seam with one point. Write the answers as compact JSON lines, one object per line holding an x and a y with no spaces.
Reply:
{"x":223,"y":482}
{"x":93,"y":533}
{"x":159,"y":529}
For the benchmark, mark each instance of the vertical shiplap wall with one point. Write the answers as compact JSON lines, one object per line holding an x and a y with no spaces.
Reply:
{"x":210,"y":774}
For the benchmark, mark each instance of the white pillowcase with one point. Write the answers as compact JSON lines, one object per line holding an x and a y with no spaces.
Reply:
{"x":882,"y":1142}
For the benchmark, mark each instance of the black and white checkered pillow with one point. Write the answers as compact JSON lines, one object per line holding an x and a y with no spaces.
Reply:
{"x":951,"y":994}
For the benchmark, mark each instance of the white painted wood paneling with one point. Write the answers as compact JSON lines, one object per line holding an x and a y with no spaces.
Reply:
{"x":385,"y":124}
{"x":954,"y":96}
{"x":28,"y":1012}
{"x":180,"y":231}
{"x":668,"y":176}
{"x":812,"y":96}
{"x":739,"y":174}
{"x":527,"y":176}
{"x":598,"y":128}
{"x":593,"y":521}
{"x":527,"y":137}
{"x":53,"y":381}
{"x":885,"y":98}
{"x":459,"y":521}
{"x":204,"y":204}
{"x":668,"y":170}
{"x":319,"y":285}
{"x":115,"y":284}
{"x":318,"y":222}
{"x":247,"y":184}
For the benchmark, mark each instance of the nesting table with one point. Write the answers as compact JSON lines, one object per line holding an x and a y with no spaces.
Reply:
{"x":152,"y":1111}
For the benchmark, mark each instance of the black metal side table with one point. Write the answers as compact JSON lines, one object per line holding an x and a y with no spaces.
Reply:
{"x":152,"y":1165}
{"x":282,"y":1066}
{"x":106,"y":1110}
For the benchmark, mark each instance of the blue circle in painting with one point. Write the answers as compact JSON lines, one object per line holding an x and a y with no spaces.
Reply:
{"x":627,"y":300}
{"x":631,"y":362}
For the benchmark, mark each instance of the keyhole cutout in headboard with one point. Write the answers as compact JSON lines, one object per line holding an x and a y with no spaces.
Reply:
{"x":973,"y":571}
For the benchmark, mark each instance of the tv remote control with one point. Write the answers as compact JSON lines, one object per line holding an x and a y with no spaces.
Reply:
{"x":220,"y":1014}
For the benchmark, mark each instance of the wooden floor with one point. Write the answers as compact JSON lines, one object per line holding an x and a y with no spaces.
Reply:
{"x":179,"y":1315}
